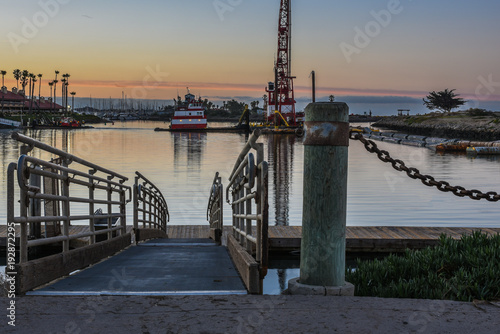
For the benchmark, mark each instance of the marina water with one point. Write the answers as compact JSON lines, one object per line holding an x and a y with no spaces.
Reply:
{"x":183,"y":165}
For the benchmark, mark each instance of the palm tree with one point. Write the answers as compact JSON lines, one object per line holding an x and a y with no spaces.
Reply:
{"x":63,"y":85}
{"x":17,"y":76}
{"x":73,"y":101}
{"x":39,"y":89}
{"x":32,"y":98}
{"x":66,"y":90}
{"x":29,"y":92}
{"x":39,"y":85}
{"x":55,"y":87}
{"x":51,"y":85}
{"x":24,"y":80}
{"x":3,"y":85}
{"x":66,"y":84}
{"x":55,"y":93}
{"x":3,"y":77}
{"x":32,"y":78}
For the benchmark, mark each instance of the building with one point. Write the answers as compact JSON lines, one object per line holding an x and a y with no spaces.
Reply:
{"x":15,"y":101}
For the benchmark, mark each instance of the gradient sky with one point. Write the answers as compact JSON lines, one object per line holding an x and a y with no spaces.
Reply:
{"x":110,"y":46}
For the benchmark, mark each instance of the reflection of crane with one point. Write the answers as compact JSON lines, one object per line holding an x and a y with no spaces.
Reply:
{"x":280,"y":157}
{"x":281,"y":95}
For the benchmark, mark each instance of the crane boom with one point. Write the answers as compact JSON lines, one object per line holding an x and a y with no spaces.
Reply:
{"x":281,"y":93}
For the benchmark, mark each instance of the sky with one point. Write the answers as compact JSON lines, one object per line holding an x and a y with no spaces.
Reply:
{"x":374,"y":55}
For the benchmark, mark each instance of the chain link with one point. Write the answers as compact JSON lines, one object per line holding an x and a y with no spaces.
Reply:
{"x":428,"y":180}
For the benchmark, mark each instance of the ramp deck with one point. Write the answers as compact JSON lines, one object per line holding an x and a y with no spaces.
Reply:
{"x":158,"y":267}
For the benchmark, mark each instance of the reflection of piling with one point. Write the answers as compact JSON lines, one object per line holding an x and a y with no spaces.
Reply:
{"x":322,"y":261}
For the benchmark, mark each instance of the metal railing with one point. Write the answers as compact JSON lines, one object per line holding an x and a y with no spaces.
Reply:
{"x":61,"y":188}
{"x":150,"y":207}
{"x":215,"y":208}
{"x":248,"y":185}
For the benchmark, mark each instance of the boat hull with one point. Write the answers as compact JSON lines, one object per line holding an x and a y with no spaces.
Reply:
{"x":186,"y":124}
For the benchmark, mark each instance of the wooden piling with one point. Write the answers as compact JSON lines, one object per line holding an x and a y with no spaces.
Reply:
{"x":325,"y":194}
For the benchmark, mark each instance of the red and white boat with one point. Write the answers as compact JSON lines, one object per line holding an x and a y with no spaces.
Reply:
{"x":189,"y":114}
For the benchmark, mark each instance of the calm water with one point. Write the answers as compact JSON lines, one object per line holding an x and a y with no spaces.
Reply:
{"x":183,"y":167}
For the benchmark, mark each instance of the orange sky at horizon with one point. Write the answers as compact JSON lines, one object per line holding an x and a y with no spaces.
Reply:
{"x":151,"y":49}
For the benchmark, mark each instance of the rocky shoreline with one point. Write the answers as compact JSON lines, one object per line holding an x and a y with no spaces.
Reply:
{"x":484,"y":126}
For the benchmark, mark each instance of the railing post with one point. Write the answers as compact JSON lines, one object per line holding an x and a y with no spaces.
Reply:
{"x":135,"y":203}
{"x":123,"y":211}
{"x":322,"y":260}
{"x":91,"y":207}
{"x":65,"y":205}
{"x":109,"y":191}
{"x":23,"y":239}
{"x":35,"y":207}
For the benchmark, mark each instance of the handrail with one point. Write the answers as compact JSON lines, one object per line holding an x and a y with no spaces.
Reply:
{"x":149,"y":201}
{"x":70,"y":157}
{"x":50,"y":191}
{"x":215,"y":208}
{"x":247,"y":192}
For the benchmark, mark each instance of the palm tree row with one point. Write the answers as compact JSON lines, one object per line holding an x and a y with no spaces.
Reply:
{"x":29,"y":79}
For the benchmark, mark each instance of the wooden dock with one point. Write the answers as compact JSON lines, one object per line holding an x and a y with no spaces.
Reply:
{"x":358,"y":238}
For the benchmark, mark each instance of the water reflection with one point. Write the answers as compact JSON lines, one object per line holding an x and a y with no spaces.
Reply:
{"x":280,"y":158}
{"x":183,"y":165}
{"x":189,"y":145}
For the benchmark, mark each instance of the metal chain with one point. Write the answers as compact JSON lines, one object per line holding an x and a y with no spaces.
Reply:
{"x":415,"y":174}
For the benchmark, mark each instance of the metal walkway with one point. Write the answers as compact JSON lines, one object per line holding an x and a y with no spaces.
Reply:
{"x":157,"y":267}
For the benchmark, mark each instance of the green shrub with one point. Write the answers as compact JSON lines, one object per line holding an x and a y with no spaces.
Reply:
{"x":461,"y":270}
{"x":478,"y":112}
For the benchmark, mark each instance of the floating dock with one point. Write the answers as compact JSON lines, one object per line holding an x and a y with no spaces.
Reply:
{"x":369,"y":239}
{"x":209,"y":129}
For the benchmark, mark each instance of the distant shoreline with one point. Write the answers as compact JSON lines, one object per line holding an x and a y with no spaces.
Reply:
{"x":484,"y":126}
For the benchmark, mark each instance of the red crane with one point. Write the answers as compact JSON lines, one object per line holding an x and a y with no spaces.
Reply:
{"x":281,"y":107}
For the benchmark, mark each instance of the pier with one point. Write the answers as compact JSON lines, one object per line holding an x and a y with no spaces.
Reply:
{"x":60,"y":253}
{"x":369,"y":239}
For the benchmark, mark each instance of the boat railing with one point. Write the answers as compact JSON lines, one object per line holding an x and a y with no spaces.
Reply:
{"x":51,"y":192}
{"x":215,"y":209}
{"x":247,"y":192}
{"x":150,"y":209}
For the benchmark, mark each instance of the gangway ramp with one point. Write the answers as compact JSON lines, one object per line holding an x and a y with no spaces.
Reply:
{"x":157,"y":267}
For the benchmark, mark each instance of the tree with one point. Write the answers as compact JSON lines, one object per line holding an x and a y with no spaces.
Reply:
{"x":51,"y":85}
{"x":55,"y":88}
{"x":73,"y":101}
{"x":3,"y":77}
{"x":39,"y":89}
{"x":254,"y":104}
{"x":235,"y":107}
{"x":444,"y":101}
{"x":32,"y":90}
{"x":65,"y":90}
{"x":17,"y":76}
{"x":24,"y":80}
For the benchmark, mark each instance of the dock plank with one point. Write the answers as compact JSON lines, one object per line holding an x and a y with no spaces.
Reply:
{"x":359,"y":238}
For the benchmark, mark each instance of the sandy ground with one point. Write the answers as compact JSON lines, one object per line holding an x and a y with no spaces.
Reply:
{"x":247,"y":314}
